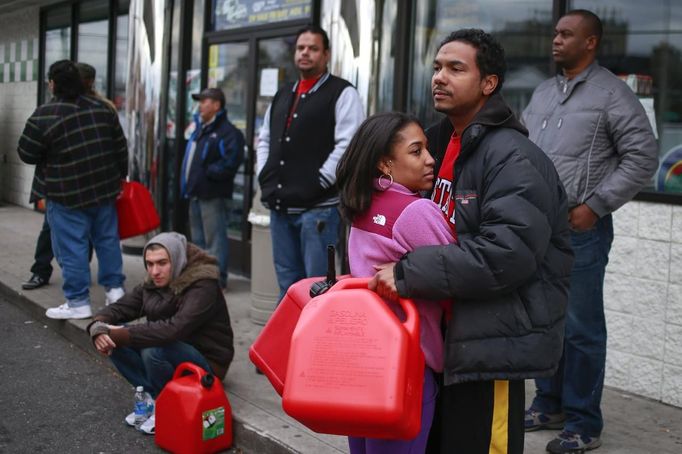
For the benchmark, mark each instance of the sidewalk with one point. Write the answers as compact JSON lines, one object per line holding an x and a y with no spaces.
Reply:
{"x":634,"y":425}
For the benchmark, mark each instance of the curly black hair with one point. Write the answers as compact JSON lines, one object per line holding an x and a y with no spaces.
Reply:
{"x":489,"y":52}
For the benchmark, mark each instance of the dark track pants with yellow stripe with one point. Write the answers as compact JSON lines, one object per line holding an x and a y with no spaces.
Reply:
{"x":479,"y":418}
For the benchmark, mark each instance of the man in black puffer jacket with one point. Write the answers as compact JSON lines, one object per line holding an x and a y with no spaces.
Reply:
{"x":508,"y":273}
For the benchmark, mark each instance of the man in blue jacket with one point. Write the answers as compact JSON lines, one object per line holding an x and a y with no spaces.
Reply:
{"x":214,"y":153}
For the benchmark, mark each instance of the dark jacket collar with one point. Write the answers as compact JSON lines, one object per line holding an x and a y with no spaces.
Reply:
{"x":495,"y":113}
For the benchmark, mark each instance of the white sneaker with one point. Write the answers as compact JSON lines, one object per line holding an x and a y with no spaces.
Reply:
{"x":113,"y":295}
{"x":130,"y":419}
{"x":64,"y":312}
{"x":149,"y":426}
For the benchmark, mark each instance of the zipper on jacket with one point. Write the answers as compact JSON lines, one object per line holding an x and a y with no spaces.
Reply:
{"x":589,"y":159}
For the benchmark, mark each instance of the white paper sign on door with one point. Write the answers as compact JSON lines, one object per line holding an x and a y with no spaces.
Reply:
{"x":268,"y":81}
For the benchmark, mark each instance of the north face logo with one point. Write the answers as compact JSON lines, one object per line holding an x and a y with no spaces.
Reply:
{"x":379,"y":219}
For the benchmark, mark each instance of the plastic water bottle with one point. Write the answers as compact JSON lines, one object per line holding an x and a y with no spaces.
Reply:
{"x":140,"y":407}
{"x":149,"y":402}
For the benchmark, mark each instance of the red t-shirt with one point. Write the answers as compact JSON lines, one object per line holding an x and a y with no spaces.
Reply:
{"x":442,"y":190}
{"x":304,"y":85}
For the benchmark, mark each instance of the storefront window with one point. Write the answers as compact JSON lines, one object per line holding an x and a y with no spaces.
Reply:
{"x":57,"y":40}
{"x":93,"y":39}
{"x":229,"y":14}
{"x":349,"y":26}
{"x":193,"y":75}
{"x":524,"y":27}
{"x":121,"y":65}
{"x":386,"y":59}
{"x":228,"y":67}
{"x":643,"y":45}
{"x":275,"y":69}
{"x":170,"y":158}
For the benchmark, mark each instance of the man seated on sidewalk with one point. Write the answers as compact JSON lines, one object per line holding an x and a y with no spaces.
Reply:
{"x":187,"y":319}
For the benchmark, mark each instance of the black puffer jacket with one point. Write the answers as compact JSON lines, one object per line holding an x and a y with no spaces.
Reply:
{"x":509,"y":272}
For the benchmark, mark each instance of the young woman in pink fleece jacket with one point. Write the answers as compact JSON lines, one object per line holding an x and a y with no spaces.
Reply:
{"x":379,"y":176}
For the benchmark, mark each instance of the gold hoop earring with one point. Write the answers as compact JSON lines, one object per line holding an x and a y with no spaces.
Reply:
{"x":390,"y":182}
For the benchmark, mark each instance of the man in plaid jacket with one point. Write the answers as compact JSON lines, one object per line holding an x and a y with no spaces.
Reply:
{"x":79,"y":146}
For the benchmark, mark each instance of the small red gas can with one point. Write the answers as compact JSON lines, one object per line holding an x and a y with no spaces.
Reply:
{"x":135,"y":210}
{"x":193,"y":414}
{"x":354,"y":368}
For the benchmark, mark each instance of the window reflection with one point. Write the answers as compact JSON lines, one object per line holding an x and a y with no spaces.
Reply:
{"x":228,"y":69}
{"x":121,"y":63}
{"x":93,"y":39}
{"x":524,"y":27}
{"x":349,"y":26}
{"x":57,"y":40}
{"x":386,"y":58}
{"x":643,"y":44}
{"x":193,"y":75}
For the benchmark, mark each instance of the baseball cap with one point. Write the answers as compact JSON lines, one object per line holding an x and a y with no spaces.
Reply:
{"x":211,"y":93}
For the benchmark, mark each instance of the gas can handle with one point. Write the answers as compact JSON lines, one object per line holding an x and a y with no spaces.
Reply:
{"x":192,"y":368}
{"x":351,"y":282}
{"x":411,"y":322}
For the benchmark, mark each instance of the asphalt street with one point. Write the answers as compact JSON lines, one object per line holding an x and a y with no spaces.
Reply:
{"x":54,"y":397}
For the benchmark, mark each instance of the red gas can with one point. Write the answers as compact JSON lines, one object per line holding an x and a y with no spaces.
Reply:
{"x":135,"y":209}
{"x":193,"y":414}
{"x":270,"y":350}
{"x":354,"y":368}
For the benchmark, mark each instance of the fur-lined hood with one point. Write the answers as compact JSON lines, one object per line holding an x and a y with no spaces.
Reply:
{"x":200,"y":265}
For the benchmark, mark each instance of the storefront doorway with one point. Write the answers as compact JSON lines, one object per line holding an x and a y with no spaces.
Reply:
{"x":249,"y":69}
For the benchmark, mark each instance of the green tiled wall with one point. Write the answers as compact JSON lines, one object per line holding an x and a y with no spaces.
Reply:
{"x":19,"y":61}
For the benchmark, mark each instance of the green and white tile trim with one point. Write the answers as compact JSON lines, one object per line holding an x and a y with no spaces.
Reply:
{"x":19,"y":61}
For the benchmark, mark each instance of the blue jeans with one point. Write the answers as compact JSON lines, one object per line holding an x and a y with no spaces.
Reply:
{"x":299,"y":244}
{"x":72,"y":232}
{"x":153,"y":367}
{"x":208,"y":226}
{"x":576,"y":388}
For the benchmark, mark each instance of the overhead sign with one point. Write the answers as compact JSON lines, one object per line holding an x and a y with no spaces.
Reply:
{"x":248,"y":13}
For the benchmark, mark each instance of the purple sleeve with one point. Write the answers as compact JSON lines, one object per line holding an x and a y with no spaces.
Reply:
{"x":422,"y":224}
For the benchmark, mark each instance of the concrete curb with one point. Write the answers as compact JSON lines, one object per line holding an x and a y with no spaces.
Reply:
{"x":247,"y":437}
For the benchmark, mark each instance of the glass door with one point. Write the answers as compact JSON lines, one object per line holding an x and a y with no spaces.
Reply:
{"x":249,"y":72}
{"x":228,"y":69}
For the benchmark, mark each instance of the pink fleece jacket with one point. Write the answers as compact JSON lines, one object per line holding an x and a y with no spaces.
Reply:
{"x":397,"y":222}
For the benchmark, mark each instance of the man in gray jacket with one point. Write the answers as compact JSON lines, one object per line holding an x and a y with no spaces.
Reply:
{"x":597,"y":134}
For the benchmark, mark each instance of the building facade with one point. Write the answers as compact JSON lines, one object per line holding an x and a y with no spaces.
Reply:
{"x":152,"y":54}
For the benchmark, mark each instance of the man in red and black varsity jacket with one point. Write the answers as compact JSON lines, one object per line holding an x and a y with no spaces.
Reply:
{"x":305,"y":132}
{"x":78,"y":144}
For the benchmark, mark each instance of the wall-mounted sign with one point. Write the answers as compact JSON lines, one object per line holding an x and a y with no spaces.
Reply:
{"x":248,"y":13}
{"x":669,"y":175}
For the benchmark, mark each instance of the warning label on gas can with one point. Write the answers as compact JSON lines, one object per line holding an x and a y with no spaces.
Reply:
{"x":213,"y":423}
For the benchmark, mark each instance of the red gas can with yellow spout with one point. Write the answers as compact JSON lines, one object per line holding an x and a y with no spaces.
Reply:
{"x":193,"y":414}
{"x":354,"y":368}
